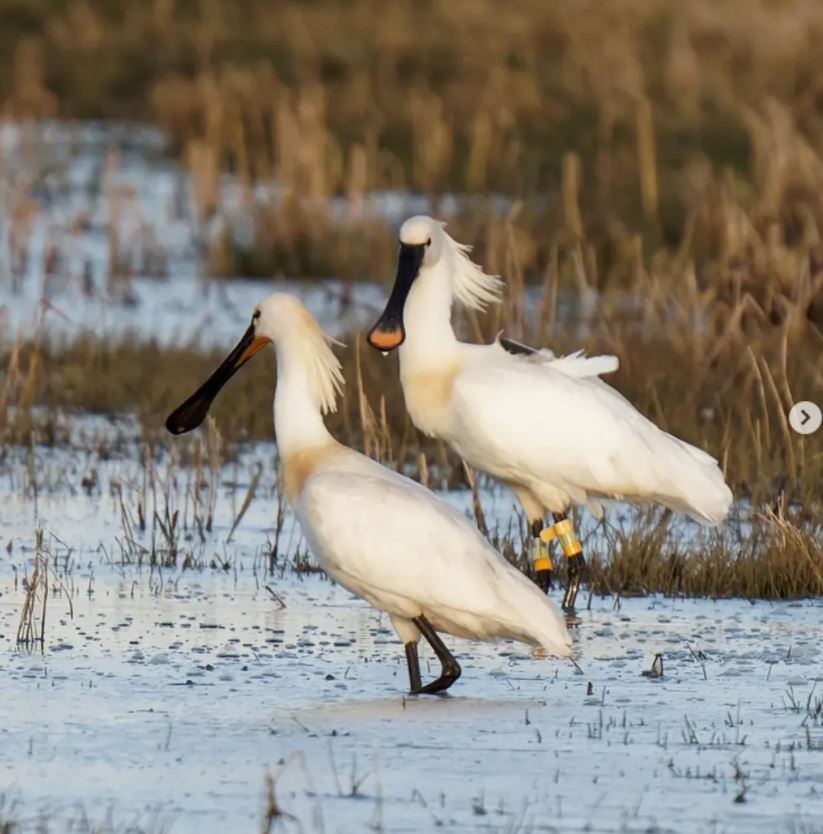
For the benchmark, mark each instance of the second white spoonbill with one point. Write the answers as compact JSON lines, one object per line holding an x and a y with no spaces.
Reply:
{"x":547,"y":426}
{"x":384,"y":537}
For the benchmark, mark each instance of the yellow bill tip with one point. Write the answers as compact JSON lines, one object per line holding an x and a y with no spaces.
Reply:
{"x":257,"y":344}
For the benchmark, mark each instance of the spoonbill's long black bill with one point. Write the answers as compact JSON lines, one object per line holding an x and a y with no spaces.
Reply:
{"x":193,"y":411}
{"x":389,"y":332}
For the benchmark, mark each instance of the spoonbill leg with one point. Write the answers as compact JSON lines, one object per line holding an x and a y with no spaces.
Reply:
{"x":451,"y":668}
{"x":563,"y":531}
{"x":541,"y":559}
{"x":573,"y":553}
{"x":413,"y":663}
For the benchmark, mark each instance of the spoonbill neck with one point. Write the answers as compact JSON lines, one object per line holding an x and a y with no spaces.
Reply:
{"x":430,"y":339}
{"x":298,"y":419}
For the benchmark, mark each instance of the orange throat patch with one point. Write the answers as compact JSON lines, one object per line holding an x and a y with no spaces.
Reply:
{"x":386,"y":339}
{"x":299,"y":466}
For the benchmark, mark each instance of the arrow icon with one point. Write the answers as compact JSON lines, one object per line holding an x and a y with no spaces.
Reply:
{"x":805,"y":417}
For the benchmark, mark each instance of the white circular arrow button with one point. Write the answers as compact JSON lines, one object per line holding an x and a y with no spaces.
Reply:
{"x":805,"y":417}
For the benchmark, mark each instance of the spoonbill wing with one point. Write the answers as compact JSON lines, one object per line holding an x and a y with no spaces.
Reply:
{"x":580,"y":366}
{"x":573,"y":364}
{"x":406,"y":551}
{"x":556,"y":422}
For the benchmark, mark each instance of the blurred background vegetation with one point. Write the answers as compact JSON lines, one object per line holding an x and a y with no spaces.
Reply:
{"x":647,"y":176}
{"x":634,"y":126}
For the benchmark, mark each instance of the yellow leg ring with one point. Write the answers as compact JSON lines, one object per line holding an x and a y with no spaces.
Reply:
{"x":541,"y":559}
{"x":563,"y":531}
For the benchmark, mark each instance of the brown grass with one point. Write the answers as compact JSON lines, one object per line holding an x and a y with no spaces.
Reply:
{"x":638,"y":130}
{"x":777,"y":554}
{"x":32,"y":626}
{"x":770,"y":548}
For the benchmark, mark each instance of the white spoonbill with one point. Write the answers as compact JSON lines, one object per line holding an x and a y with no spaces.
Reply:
{"x":379,"y":534}
{"x":547,"y":426}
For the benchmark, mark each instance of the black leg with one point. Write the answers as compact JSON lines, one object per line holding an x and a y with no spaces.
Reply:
{"x":451,"y":668}
{"x":574,"y":557}
{"x":541,"y":561}
{"x":414,"y":666}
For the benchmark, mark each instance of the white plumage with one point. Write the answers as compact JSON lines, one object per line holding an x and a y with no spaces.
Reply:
{"x":398,"y":546}
{"x":379,"y":534}
{"x":572,"y":439}
{"x":547,"y":426}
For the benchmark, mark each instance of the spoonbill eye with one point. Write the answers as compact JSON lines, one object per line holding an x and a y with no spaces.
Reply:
{"x":256,"y":315}
{"x":429,"y":242}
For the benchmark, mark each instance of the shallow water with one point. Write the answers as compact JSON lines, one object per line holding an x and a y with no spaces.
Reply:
{"x":171,"y":701}
{"x":170,"y":694}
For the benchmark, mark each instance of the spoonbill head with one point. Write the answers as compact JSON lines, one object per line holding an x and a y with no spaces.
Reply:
{"x":430,"y":258}
{"x":382,"y":536}
{"x":282,"y":320}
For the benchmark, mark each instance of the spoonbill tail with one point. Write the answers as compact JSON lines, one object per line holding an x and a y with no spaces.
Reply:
{"x":546,"y":426}
{"x":384,"y":537}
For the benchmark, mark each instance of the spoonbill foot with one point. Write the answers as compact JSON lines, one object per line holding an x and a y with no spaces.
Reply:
{"x":572,"y":620}
{"x":450,"y":667}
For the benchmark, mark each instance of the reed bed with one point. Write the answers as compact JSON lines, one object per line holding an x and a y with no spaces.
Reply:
{"x":631,"y":128}
{"x":710,"y":379}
